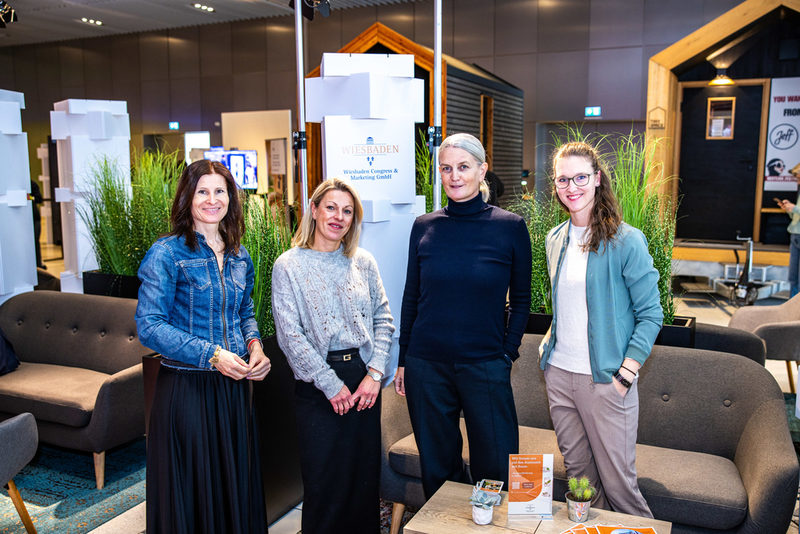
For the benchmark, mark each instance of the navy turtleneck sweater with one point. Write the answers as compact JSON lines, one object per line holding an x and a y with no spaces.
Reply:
{"x":462,"y":262}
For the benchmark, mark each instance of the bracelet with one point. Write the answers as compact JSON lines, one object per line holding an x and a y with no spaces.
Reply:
{"x":623,"y":367}
{"x":254,"y":340}
{"x":622,"y":380}
{"x":214,"y":360}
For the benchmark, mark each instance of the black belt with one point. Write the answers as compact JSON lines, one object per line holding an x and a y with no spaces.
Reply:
{"x":344,"y":355}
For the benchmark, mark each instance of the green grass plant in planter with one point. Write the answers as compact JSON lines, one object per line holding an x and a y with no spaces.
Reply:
{"x":124,"y":221}
{"x":541,"y":214}
{"x":266,"y":237}
{"x":641,"y":197}
{"x":422,"y":165}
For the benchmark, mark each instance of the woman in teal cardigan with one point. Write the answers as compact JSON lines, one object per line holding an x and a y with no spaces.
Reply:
{"x":606,"y":316}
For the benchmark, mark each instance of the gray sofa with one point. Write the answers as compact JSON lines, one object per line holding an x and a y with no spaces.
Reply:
{"x":714,"y":452}
{"x":80,"y":370}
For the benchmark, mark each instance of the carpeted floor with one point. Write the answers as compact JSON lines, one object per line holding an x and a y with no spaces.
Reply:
{"x":59,"y":490}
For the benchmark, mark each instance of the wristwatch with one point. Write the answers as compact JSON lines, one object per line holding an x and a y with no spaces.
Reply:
{"x":375,"y":375}
{"x":622,"y":380}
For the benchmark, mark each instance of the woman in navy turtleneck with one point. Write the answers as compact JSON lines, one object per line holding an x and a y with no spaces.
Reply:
{"x":456,"y":348}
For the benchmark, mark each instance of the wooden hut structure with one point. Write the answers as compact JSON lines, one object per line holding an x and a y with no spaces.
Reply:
{"x":756,"y":35}
{"x":473,"y":101}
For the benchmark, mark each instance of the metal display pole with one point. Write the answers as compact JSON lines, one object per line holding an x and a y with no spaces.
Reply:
{"x":435,"y":131}
{"x":299,"y":136}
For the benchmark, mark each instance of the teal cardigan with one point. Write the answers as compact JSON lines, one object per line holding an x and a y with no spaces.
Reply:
{"x":622,"y":300}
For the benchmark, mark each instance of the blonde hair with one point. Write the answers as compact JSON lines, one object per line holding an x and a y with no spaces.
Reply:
{"x":474,"y":148}
{"x":304,"y":237}
{"x":795,"y":171}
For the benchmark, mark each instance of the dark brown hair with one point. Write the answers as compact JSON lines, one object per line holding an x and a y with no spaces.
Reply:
{"x":231,"y":227}
{"x":605,"y":217}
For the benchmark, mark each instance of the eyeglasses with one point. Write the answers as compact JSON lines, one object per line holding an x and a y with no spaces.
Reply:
{"x":562,"y":182}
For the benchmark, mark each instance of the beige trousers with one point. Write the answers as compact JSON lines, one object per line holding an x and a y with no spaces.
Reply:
{"x":596,"y":430}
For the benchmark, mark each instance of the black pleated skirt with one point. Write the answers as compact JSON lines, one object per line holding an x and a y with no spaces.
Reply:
{"x":203,"y":470}
{"x":339,"y":458}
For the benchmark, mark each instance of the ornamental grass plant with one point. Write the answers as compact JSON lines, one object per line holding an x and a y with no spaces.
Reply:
{"x":124,"y":221}
{"x":541,"y":215}
{"x":266,"y":236}
{"x":643,"y":202}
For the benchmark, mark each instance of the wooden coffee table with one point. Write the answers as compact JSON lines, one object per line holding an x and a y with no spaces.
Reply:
{"x":449,"y":512}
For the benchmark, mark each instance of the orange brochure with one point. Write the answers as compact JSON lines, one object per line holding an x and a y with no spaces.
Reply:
{"x":619,"y":529}
{"x":530,"y":484}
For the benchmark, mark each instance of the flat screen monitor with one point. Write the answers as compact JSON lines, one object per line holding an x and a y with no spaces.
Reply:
{"x":243,"y":165}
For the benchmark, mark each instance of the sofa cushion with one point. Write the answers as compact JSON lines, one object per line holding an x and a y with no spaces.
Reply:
{"x":53,"y":393}
{"x":704,"y":491}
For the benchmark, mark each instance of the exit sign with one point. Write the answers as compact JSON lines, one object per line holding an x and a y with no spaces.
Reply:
{"x":592,"y":111}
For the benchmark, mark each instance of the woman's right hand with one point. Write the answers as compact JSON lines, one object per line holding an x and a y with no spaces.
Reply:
{"x":342,"y":402}
{"x":400,"y":381}
{"x":231,"y":365}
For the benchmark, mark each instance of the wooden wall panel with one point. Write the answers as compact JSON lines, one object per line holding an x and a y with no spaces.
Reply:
{"x":249,"y":46}
{"x":154,"y":54}
{"x":184,"y":53}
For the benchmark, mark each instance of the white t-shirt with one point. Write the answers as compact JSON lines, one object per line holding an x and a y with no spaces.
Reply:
{"x":571,"y":352}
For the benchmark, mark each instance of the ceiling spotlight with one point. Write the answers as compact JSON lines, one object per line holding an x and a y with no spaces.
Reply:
{"x":203,"y":7}
{"x":7,"y":14}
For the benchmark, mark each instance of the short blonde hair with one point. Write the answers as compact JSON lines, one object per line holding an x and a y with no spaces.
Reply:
{"x":304,"y":237}
{"x":795,"y":171}
{"x":474,"y":148}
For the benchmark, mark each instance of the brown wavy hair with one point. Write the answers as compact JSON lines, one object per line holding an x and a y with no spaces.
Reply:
{"x":231,"y":227}
{"x":605,"y":217}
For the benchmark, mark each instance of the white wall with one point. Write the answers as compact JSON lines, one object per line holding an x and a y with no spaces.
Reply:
{"x":249,"y":130}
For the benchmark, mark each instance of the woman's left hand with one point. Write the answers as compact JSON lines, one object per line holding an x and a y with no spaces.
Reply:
{"x":366,"y":394}
{"x":259,"y":363}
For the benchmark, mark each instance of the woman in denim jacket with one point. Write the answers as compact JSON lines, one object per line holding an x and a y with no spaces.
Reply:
{"x":195,"y":309}
{"x":606,"y":316}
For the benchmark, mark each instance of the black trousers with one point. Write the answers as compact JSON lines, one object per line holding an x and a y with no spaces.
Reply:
{"x":437,"y":392}
{"x":339,"y":459}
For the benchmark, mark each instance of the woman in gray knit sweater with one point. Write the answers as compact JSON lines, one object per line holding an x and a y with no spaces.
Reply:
{"x":334,"y":325}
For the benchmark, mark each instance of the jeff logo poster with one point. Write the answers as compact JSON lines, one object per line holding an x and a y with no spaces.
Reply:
{"x":783,"y":149}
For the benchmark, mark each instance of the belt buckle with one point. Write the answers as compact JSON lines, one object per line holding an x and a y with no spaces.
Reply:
{"x":347,"y":357}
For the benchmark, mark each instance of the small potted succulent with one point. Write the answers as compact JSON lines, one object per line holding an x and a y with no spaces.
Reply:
{"x":579,"y":498}
{"x":483,"y":503}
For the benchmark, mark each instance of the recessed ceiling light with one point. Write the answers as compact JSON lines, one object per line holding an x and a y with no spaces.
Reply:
{"x":93,"y":22}
{"x":203,"y":7}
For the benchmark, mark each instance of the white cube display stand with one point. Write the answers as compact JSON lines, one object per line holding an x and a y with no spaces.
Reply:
{"x":17,"y":252}
{"x":368,"y":104}
{"x":85,"y":131}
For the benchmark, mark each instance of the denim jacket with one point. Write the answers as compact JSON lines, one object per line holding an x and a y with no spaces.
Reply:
{"x":187,"y":306}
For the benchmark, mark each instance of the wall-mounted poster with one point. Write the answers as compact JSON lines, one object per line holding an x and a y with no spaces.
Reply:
{"x":783,"y":149}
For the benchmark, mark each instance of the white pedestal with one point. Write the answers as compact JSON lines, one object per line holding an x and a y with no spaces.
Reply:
{"x":17,"y":253}
{"x":86,"y":131}
{"x":368,"y":104}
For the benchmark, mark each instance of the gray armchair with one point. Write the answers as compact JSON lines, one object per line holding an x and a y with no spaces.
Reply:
{"x":20,"y":440}
{"x":778,"y":326}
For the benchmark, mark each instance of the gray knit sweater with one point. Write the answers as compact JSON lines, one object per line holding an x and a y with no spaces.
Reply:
{"x":325,"y":301}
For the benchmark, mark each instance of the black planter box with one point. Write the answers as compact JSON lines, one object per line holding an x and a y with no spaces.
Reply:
{"x":111,"y":285}
{"x":678,"y":334}
{"x":273,"y":399}
{"x":538,"y":323}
